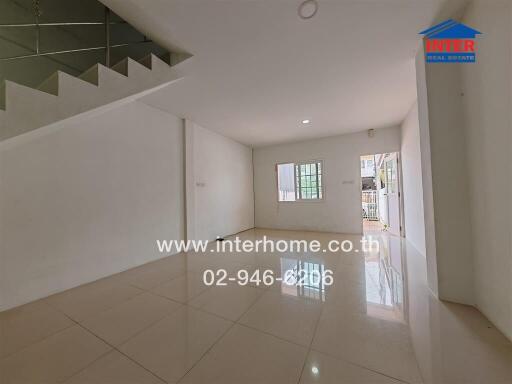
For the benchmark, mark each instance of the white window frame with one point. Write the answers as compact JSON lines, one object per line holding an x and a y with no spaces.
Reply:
{"x":296,"y":165}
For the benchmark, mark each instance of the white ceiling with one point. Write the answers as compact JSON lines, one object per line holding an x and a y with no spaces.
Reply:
{"x":258,"y":70}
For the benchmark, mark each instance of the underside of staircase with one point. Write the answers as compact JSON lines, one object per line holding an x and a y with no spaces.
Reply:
{"x":62,"y":95}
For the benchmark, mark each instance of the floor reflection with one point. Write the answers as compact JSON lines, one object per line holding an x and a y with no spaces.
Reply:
{"x":308,"y":282}
{"x":384,"y":281}
{"x":378,"y":323}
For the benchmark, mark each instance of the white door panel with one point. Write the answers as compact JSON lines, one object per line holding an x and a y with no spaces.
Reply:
{"x":392,"y":189}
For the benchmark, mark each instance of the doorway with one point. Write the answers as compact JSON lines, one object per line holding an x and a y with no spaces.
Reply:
{"x":380,"y":193}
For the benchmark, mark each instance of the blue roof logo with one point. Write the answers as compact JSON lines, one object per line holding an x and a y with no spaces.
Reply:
{"x":450,"y":29}
{"x":450,"y":42}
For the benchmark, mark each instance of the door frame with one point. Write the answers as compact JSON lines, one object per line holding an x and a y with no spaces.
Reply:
{"x":400,"y":189}
{"x":400,"y":194}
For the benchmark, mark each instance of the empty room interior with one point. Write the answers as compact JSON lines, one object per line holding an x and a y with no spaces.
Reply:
{"x":255,"y":192}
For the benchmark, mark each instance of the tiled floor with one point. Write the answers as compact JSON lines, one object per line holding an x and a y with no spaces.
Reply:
{"x":159,"y":323}
{"x":372,"y":226}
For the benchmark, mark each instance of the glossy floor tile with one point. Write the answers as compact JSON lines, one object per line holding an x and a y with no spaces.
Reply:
{"x":87,"y":300}
{"x":230,"y":301}
{"x":321,"y":368}
{"x":182,"y":289}
{"x":378,"y":344}
{"x":290,"y":318}
{"x":53,"y":359}
{"x":25,"y":325}
{"x":159,"y":323}
{"x":125,"y":320}
{"x":114,"y":368}
{"x":150,"y":275}
{"x":175,"y":344}
{"x":248,"y":356}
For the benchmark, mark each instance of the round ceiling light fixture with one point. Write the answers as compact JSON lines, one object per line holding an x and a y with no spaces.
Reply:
{"x":306,"y":121}
{"x":308,"y":9}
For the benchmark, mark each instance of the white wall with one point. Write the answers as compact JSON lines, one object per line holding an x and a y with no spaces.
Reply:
{"x":449,"y":177}
{"x":426,"y":176}
{"x":487,"y":105}
{"x":220,"y":195}
{"x":88,"y":199}
{"x":466,"y":124}
{"x":412,"y":185}
{"x":340,"y":211}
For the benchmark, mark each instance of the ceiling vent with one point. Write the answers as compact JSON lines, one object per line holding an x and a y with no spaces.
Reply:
{"x":308,"y":9}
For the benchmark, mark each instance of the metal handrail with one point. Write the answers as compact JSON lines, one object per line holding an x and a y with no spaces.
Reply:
{"x":73,"y":51}
{"x":107,"y":23}
{"x":61,"y":24}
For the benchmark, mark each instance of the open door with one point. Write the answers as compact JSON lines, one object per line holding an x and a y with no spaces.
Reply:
{"x":392,"y":193}
{"x":380,"y":193}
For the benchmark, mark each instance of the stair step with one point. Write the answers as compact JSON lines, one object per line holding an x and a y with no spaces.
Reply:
{"x":121,"y":67}
{"x":91,"y":75}
{"x":27,"y":109}
{"x":160,"y":70}
{"x":131,"y":68}
{"x":51,"y":85}
{"x":2,"y":96}
{"x":63,"y":95}
{"x":75,"y":95}
{"x":2,"y":120}
{"x":114,"y":84}
{"x":3,"y":114}
{"x":136,"y":69}
{"x":147,"y":61}
{"x":103,"y":77}
{"x":154,"y":63}
{"x":173,"y":58}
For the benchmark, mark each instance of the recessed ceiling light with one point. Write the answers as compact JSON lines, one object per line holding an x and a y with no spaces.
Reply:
{"x":308,"y":9}
{"x":306,"y":121}
{"x":315,"y":370}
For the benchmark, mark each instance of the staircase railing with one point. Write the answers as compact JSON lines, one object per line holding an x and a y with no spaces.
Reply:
{"x":37,"y":52}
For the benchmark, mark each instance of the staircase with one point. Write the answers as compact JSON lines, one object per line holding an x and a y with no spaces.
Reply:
{"x":62,"y":96}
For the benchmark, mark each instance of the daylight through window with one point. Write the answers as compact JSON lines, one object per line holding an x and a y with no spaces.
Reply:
{"x":300,"y":181}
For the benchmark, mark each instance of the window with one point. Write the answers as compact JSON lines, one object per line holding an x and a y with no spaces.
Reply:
{"x":286,"y":181}
{"x":391,"y":176}
{"x":300,"y":181}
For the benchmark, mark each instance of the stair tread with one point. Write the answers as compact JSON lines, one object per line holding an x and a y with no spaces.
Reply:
{"x":106,"y":71}
{"x":174,"y":58}
{"x":134,"y":64}
{"x":63,"y":95}
{"x":16,"y":87}
{"x":66,"y":76}
{"x":2,"y":97}
{"x":121,"y":67}
{"x":51,"y":84}
{"x":3,"y":119}
{"x":91,"y":75}
{"x":129,"y":67}
{"x":147,"y":61}
{"x":153,"y":62}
